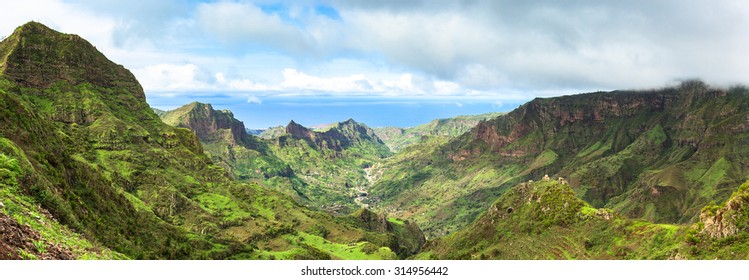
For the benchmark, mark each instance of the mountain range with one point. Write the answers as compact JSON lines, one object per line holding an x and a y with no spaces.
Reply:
{"x":89,"y":171}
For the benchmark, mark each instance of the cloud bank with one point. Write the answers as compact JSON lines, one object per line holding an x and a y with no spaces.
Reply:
{"x":506,"y":49}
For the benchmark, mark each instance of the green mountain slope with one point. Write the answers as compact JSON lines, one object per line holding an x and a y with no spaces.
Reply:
{"x":88,"y":170}
{"x":225,"y":140}
{"x":398,"y":138}
{"x":544,"y":220}
{"x":660,"y":155}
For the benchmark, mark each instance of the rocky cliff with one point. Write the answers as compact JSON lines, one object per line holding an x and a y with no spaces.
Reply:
{"x":658,"y":154}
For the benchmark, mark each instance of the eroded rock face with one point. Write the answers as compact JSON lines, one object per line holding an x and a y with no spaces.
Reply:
{"x":723,"y":222}
{"x":718,"y":225}
{"x":298,"y":131}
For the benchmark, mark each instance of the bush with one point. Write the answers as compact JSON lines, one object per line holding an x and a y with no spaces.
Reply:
{"x":319,"y":230}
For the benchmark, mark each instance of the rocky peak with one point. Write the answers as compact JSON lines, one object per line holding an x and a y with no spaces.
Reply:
{"x":298,"y":131}
{"x":209,"y":124}
{"x":37,"y":56}
{"x":339,"y":136}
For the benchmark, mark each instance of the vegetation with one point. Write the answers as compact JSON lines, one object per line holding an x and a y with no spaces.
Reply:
{"x":119,"y":183}
{"x":658,"y":155}
{"x":89,"y":171}
{"x":544,"y":220}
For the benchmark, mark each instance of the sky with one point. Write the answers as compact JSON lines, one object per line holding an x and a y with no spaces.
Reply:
{"x":383,"y":58}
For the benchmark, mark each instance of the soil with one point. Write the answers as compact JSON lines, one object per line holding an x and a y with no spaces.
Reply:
{"x":15,"y":237}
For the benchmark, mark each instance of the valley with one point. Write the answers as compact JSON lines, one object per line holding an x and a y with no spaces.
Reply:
{"x":88,"y":170}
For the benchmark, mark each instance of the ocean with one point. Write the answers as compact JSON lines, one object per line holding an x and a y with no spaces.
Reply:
{"x":266,"y":112}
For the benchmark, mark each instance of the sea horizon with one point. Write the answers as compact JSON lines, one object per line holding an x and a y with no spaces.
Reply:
{"x":311,"y":111}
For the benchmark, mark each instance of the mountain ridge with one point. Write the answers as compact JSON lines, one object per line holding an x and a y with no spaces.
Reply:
{"x":398,"y":138}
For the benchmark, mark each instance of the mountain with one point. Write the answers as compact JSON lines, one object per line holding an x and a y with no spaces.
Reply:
{"x":333,"y":161}
{"x":340,"y":136}
{"x":545,"y":220}
{"x":158,"y":112}
{"x":320,"y":168}
{"x":660,"y":155}
{"x":88,"y":170}
{"x":225,"y":140}
{"x":273,"y":132}
{"x":255,"y":132}
{"x":36,"y":56}
{"x":398,"y":138}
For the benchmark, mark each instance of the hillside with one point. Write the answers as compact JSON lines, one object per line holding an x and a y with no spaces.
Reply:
{"x":544,"y":220}
{"x":225,"y":140}
{"x":398,"y":138}
{"x":88,"y":170}
{"x":660,"y":155}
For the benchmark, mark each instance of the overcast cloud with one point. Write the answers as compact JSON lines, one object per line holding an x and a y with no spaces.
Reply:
{"x":506,"y":49}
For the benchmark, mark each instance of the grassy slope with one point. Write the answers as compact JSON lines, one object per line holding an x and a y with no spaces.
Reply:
{"x":544,"y":220}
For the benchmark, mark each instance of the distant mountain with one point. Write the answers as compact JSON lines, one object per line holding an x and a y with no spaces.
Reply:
{"x":255,"y":132}
{"x":340,"y":136}
{"x":398,"y":138}
{"x":273,"y":132}
{"x":158,"y":112}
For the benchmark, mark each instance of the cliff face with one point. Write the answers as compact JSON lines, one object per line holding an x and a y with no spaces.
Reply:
{"x":37,"y":56}
{"x":210,"y":125}
{"x":339,"y":136}
{"x":587,"y":115}
{"x":652,"y":149}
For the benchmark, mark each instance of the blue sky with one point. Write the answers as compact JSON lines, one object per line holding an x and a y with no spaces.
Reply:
{"x":251,"y":54}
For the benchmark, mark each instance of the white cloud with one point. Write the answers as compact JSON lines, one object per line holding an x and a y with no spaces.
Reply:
{"x":64,"y":17}
{"x":254,"y":100}
{"x":248,"y":24}
{"x":294,"y":79}
{"x":169,"y":77}
{"x":501,"y":48}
